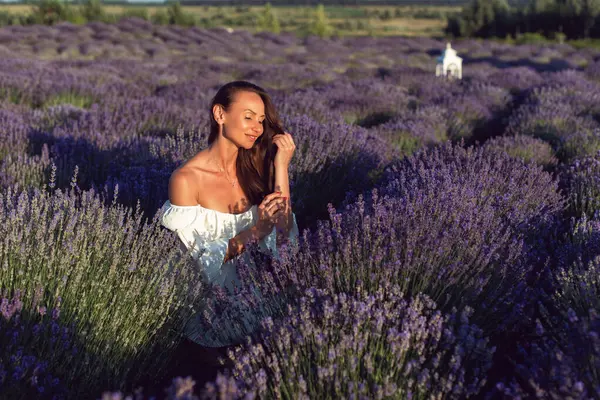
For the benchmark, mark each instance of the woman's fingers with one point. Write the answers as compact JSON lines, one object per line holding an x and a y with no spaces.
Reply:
{"x":276,"y":204}
{"x":277,"y":215}
{"x":269,"y":199}
{"x":272,"y":196}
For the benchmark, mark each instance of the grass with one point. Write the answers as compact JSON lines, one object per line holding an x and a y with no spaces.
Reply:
{"x":364,"y":20}
{"x":74,"y":99}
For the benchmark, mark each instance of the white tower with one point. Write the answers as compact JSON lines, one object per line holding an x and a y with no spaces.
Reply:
{"x":449,"y":64}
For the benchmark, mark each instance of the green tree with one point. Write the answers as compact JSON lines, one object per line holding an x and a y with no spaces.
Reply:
{"x":541,"y":6}
{"x":587,"y":12}
{"x":92,"y":10}
{"x":50,"y":12}
{"x":320,"y":25}
{"x":482,"y":18}
{"x":268,"y":20}
{"x":386,"y":15}
{"x":160,"y":17}
{"x":177,"y":16}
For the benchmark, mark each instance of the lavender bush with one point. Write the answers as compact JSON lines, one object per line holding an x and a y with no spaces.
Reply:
{"x":581,"y":183}
{"x":560,"y":361}
{"x":36,"y":350}
{"x":527,"y":148}
{"x":561,"y":115}
{"x":361,"y":345}
{"x":427,"y":126}
{"x":122,"y":282}
{"x":25,"y":171}
{"x":335,"y":157}
{"x":459,"y":225}
{"x":562,"y":358}
{"x":577,"y":275}
{"x":14,"y":132}
{"x":523,"y":193}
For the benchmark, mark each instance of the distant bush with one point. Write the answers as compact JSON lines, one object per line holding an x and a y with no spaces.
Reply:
{"x":530,"y":38}
{"x":428,"y":13}
{"x":385,"y":15}
{"x":268,"y":20}
{"x":92,"y":10}
{"x":50,"y":12}
{"x":9,"y":18}
{"x":320,"y":25}
{"x":141,"y":12}
{"x":160,"y":17}
{"x":176,"y":15}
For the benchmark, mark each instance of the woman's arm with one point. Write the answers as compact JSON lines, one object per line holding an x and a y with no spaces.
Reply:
{"x":282,"y":184}
{"x":237,"y":244}
{"x":285,"y":151}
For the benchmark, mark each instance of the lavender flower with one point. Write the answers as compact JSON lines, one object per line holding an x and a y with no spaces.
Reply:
{"x":332,"y":346}
{"x":562,"y":359}
{"x":36,"y":352}
{"x":581,"y":183}
{"x":451,"y":223}
{"x":48,"y":237}
{"x":527,"y":148}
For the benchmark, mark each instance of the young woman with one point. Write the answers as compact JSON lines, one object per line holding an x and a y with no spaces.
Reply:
{"x":234,"y":192}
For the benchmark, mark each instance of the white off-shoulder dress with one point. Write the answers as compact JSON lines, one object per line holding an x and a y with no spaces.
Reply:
{"x":206,"y":233}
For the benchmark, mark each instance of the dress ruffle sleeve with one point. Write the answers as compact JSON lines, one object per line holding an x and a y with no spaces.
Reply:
{"x":188,"y":222}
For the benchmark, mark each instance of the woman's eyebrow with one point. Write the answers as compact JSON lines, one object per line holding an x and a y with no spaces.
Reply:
{"x":247,"y":109}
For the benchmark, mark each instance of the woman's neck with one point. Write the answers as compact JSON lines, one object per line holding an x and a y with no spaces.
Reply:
{"x":224,"y":155}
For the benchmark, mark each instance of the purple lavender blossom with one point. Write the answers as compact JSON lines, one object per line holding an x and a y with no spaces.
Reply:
{"x":527,"y":148}
{"x":71,"y":239}
{"x":403,"y":347}
{"x":562,"y":358}
{"x":581,"y":182}
{"x":36,"y":352}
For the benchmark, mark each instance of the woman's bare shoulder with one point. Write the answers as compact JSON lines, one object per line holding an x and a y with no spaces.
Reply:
{"x":186,"y":180}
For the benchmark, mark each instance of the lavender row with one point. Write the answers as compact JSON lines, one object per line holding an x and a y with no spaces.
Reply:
{"x":468,"y":232}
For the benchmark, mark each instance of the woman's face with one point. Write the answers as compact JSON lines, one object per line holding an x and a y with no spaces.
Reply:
{"x":243,"y":123}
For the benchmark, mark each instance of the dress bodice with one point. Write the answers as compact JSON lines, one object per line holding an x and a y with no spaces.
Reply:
{"x":196,"y":225}
{"x":206,"y":233}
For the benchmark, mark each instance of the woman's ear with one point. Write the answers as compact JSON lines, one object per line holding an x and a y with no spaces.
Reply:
{"x":218,"y":113}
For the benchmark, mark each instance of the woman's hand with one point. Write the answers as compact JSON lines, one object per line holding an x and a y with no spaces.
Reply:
{"x":285,"y":150}
{"x":270,"y":211}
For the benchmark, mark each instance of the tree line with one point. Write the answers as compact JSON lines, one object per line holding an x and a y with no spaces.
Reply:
{"x":570,"y":19}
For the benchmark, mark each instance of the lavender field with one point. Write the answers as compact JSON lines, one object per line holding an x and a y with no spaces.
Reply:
{"x":450,"y":229}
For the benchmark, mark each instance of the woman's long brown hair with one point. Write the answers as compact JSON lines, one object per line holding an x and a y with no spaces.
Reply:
{"x":254,"y":167}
